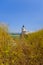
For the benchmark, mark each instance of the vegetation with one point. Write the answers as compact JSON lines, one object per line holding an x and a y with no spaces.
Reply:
{"x":26,"y":50}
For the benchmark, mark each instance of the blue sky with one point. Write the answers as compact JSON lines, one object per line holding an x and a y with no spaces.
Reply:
{"x":16,"y":13}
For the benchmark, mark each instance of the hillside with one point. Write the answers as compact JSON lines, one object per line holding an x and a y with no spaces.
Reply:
{"x":26,"y":50}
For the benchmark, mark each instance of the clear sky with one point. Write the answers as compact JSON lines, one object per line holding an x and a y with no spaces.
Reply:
{"x":16,"y":13}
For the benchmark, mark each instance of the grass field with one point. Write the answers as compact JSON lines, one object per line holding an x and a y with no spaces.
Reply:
{"x":25,"y":50}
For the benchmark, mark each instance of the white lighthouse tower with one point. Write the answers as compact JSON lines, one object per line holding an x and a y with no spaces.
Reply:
{"x":23,"y":30}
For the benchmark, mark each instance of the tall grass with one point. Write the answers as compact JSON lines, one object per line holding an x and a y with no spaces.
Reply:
{"x":26,"y":50}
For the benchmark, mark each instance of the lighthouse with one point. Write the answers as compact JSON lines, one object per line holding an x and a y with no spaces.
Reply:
{"x":23,"y":30}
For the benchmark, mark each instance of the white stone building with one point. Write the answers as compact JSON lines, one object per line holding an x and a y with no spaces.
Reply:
{"x":24,"y":31}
